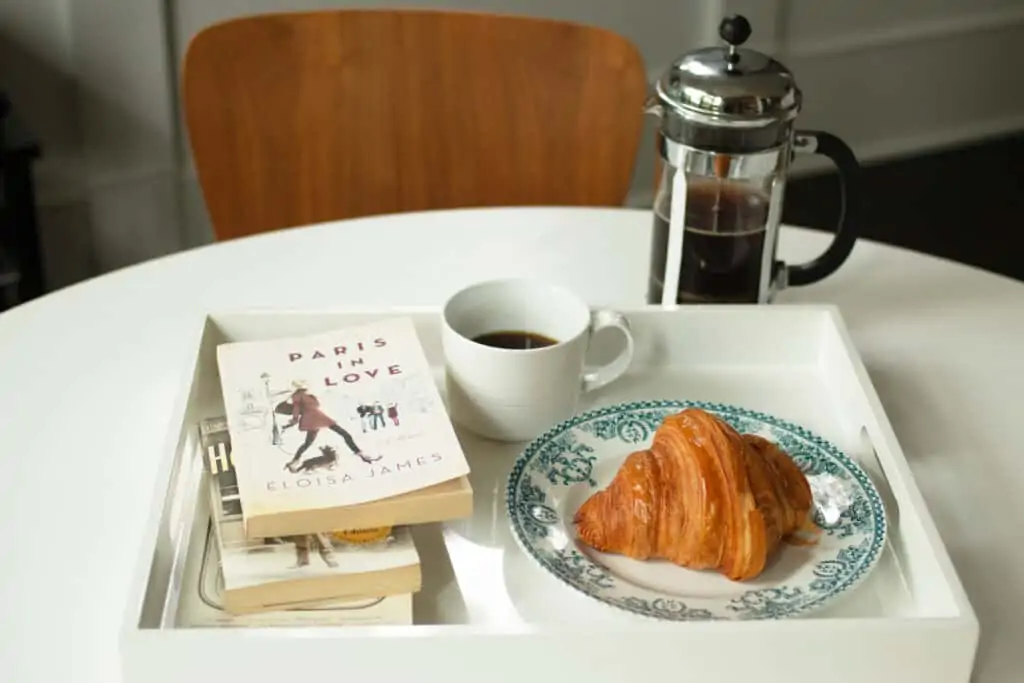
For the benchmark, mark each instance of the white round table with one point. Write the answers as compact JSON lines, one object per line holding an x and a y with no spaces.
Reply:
{"x":89,"y":374}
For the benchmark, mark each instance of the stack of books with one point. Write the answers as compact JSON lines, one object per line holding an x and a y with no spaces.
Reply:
{"x":330,"y":448}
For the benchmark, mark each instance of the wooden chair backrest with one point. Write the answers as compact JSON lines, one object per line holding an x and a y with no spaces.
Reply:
{"x":299,"y":118}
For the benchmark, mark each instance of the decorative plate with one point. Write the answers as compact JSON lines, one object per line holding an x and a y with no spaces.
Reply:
{"x":563,"y":467}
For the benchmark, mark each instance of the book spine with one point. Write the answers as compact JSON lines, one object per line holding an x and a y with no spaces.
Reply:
{"x":226,"y":504}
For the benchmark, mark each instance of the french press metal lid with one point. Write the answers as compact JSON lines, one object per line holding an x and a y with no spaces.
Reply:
{"x":727,"y":98}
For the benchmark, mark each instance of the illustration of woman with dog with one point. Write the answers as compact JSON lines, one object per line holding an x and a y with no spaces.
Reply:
{"x":305,"y":412}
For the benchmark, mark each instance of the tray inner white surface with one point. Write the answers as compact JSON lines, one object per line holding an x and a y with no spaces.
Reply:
{"x":788,"y":361}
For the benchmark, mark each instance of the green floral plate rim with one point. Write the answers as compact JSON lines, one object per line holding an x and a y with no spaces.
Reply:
{"x":565,"y":456}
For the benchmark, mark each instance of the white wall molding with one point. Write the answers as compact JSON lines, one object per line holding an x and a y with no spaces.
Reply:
{"x":67,"y":180}
{"x":883,"y":150}
{"x":126,"y":107}
{"x":770,"y":35}
{"x":60,"y":179}
{"x":928,"y":141}
{"x":904,"y":34}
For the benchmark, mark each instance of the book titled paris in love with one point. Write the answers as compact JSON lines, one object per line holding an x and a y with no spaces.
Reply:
{"x":329,"y":420}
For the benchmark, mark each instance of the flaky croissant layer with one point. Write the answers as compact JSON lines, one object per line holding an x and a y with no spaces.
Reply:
{"x":702,"y":496}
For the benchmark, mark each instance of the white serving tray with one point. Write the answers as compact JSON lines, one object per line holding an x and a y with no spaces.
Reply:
{"x":487,"y":612}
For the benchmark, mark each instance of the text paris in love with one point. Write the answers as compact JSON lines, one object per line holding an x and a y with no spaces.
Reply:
{"x":350,"y":361}
{"x":329,"y":477}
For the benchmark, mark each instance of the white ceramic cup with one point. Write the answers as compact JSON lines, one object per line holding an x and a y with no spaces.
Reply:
{"x":517,"y":394}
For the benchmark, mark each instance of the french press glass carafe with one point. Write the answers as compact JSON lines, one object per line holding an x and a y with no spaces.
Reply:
{"x":725,"y":140}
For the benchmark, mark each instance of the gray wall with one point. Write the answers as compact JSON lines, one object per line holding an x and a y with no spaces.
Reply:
{"x":96,"y":79}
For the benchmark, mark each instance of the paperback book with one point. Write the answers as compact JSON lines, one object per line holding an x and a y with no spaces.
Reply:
{"x":201,"y":602}
{"x":275,"y":572}
{"x":326,"y":425}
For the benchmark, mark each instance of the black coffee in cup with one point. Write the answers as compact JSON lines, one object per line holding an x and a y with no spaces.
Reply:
{"x":515,"y":339}
{"x":723,"y":245}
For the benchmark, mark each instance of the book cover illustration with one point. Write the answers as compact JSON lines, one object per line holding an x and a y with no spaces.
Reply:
{"x":202,"y":603}
{"x":248,"y":563}
{"x":335,"y":419}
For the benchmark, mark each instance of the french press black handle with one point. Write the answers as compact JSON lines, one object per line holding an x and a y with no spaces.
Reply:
{"x":826,"y":144}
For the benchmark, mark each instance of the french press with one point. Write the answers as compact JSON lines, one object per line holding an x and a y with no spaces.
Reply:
{"x":726,"y":139}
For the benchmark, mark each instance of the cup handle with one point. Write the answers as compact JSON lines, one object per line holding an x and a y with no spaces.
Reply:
{"x":599,"y":320}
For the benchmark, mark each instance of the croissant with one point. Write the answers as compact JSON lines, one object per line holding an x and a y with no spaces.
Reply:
{"x":702,"y":496}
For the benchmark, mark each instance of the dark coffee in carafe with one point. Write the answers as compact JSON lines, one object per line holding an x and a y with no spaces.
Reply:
{"x":723,"y":244}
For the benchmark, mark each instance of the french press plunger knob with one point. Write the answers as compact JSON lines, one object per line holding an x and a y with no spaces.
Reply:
{"x":735,"y":30}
